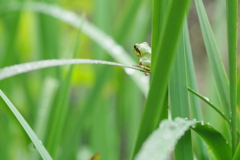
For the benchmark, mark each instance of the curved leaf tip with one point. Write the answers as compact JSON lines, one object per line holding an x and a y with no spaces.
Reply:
{"x":162,"y":141}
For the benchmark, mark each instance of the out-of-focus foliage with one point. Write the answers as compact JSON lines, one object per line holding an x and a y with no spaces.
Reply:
{"x":84,"y":110}
{"x":99,"y":108}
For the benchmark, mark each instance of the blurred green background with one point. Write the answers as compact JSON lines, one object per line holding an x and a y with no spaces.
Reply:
{"x":85,"y":109}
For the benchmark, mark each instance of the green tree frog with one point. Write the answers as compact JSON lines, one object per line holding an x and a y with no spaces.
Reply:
{"x":143,"y":51}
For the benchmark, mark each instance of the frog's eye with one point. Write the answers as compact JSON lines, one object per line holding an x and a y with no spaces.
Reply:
{"x":136,"y":50}
{"x":135,"y":47}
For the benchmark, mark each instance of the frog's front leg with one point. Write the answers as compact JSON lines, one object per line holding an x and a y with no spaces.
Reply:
{"x":143,"y":67}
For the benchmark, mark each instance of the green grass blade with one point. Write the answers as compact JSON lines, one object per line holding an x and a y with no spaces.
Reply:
{"x":161,"y":67}
{"x":211,"y":105}
{"x":194,"y":103}
{"x":30,"y":66}
{"x":127,"y":21}
{"x":191,"y":78}
{"x":237,"y":153}
{"x":238,"y":91}
{"x":133,"y":28}
{"x":160,"y":8}
{"x":41,"y":149}
{"x":232,"y":24}
{"x":45,"y":100}
{"x":129,"y":115}
{"x":214,"y":139}
{"x":161,"y":142}
{"x":48,"y":39}
{"x":178,"y":85}
{"x":159,"y":13}
{"x":103,"y":122}
{"x":60,"y":111}
{"x":9,"y":34}
{"x":58,"y":117}
{"x":214,"y":57}
{"x":179,"y":101}
{"x":139,"y":31}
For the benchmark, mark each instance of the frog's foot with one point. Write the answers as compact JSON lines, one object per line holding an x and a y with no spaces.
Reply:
{"x":143,"y":67}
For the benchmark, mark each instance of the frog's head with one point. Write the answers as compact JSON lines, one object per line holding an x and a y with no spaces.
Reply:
{"x":141,"y":48}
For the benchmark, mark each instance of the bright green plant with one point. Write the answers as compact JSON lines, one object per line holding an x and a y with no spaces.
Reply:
{"x":88,"y":109}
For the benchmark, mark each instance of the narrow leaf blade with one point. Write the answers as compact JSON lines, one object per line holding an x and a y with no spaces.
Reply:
{"x":214,"y":57}
{"x":41,"y":149}
{"x":30,"y":66}
{"x":237,"y":153}
{"x":161,"y":67}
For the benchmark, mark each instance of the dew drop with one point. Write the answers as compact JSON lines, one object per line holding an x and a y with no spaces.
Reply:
{"x":31,"y":147}
{"x":206,"y":98}
{"x":163,"y":124}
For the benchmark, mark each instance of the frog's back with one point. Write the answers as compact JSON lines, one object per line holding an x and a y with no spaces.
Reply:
{"x":145,"y":48}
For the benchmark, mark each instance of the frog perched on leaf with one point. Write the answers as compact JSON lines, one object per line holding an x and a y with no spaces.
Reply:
{"x":143,"y":51}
